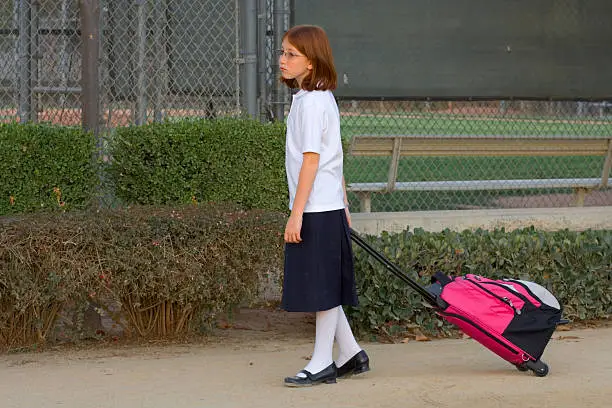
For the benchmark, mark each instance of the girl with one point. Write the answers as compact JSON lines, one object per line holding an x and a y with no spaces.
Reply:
{"x":318,"y":273}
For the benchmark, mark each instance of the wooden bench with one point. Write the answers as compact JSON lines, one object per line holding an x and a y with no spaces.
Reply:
{"x":397,"y":146}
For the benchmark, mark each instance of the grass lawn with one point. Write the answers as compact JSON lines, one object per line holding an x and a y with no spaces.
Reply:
{"x":441,"y":124}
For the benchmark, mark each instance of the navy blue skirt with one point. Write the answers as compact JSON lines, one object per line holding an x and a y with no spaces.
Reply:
{"x":319,"y":272}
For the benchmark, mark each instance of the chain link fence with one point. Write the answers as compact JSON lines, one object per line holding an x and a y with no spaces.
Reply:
{"x":158,"y":59}
{"x":273,"y":95}
{"x":39,"y":61}
{"x":169,"y":59}
{"x":175,"y":59}
{"x":464,"y":180}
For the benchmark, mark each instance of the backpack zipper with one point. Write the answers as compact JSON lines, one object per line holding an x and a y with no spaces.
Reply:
{"x":517,"y":294}
{"x":521,"y":284}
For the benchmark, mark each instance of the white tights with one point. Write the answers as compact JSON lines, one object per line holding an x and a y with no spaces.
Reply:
{"x":347,"y":345}
{"x":329,"y":324}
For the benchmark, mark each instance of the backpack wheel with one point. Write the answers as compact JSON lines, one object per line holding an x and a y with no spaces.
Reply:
{"x":539,"y":368}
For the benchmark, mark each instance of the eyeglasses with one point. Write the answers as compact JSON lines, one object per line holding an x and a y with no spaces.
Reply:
{"x":287,"y":54}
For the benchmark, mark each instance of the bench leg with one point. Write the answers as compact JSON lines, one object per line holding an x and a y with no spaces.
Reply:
{"x":581,"y":193}
{"x":365,"y":202}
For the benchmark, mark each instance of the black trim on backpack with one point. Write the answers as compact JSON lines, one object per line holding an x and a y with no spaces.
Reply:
{"x":441,"y":278}
{"x":513,"y":292}
{"x":533,"y":328}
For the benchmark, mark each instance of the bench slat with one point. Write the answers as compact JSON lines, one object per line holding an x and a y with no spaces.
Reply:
{"x":478,"y":146}
{"x":473,"y":185}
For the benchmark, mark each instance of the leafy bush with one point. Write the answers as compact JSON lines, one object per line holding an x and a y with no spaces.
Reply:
{"x":45,"y":264}
{"x":171,"y":269}
{"x":225,"y":160}
{"x":575,"y":266}
{"x":45,"y":167}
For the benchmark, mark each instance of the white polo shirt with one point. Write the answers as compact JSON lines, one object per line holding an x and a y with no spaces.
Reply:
{"x":313,"y":125}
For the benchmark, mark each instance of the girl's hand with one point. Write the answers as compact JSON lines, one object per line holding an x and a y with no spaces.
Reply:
{"x":293,"y":229}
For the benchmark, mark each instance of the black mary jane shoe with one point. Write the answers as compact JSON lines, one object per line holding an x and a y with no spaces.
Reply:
{"x":327,"y":375}
{"x":358,"y":364}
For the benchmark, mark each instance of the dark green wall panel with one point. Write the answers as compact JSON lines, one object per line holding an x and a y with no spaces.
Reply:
{"x":467,"y":48}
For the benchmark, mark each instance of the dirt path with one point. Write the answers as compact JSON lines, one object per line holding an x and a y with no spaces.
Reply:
{"x":245,"y":368}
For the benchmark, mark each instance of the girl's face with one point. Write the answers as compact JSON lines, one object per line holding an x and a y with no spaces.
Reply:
{"x":293,"y":64}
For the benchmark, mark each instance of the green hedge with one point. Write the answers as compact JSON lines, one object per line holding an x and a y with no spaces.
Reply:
{"x":225,"y":160}
{"x":45,"y":167}
{"x":171,"y":269}
{"x":575,"y":266}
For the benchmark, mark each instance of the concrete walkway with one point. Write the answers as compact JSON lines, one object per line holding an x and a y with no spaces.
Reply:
{"x":249,"y":373}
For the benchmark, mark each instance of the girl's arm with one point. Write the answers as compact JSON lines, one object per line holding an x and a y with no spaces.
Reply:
{"x":346,"y":204}
{"x":308,"y":172}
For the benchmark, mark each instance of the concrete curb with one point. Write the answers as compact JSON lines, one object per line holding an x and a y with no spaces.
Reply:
{"x":549,"y":219}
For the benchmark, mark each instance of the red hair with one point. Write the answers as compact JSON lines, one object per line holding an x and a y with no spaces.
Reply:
{"x":313,"y":43}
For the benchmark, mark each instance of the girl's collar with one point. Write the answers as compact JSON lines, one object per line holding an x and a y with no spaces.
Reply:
{"x":299,"y":93}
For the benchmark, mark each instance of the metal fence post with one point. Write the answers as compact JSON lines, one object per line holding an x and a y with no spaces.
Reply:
{"x":161,"y":59}
{"x":25,"y":61}
{"x":262,"y":68}
{"x":90,"y":30}
{"x":90,"y":85}
{"x":279,"y":12}
{"x":141,"y":86}
{"x":250,"y":56}
{"x":64,"y":63}
{"x":35,"y":56}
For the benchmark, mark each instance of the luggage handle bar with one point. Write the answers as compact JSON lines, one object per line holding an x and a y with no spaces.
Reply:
{"x":430,"y":298}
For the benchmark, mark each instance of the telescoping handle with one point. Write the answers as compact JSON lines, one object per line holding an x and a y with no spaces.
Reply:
{"x":430,"y":298}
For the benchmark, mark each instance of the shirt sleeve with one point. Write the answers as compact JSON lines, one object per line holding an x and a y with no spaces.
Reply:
{"x":313,"y":124}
